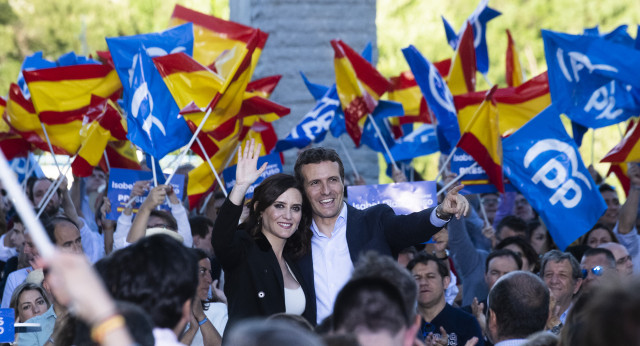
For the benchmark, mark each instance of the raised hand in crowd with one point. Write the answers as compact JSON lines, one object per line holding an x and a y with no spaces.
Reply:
{"x":629,"y":211}
{"x":477,"y":310}
{"x":397,"y":175}
{"x":156,"y":197}
{"x":358,"y":180}
{"x":139,"y":188}
{"x":490,"y":233}
{"x":107,"y":226}
{"x":218,"y":294}
{"x":247,"y":171}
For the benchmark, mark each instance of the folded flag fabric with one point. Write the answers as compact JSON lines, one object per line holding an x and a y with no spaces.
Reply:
{"x":462,"y":75}
{"x":514,"y":71}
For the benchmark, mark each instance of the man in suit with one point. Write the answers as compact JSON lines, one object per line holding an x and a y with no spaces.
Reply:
{"x":341,"y":233}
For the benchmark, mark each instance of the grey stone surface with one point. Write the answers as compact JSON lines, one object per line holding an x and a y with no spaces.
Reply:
{"x":300,"y":32}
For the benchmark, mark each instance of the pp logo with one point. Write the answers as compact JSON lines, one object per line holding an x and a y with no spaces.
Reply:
{"x":558,"y":174}
{"x":320,"y":118}
{"x":579,"y":62}
{"x":440,"y":91}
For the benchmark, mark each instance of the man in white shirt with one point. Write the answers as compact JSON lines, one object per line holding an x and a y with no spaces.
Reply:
{"x":341,"y":232}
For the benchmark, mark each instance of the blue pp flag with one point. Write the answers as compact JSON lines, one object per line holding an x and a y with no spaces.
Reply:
{"x":543,"y":163}
{"x":314,"y":125}
{"x":151,"y":161}
{"x":7,"y":321}
{"x":30,"y":63}
{"x":71,"y":59}
{"x":438,"y":97}
{"x":479,"y":18}
{"x":420,"y":142}
{"x":592,"y":80}
{"x":124,"y":49}
{"x":153,"y":119}
{"x":370,"y":136}
{"x":617,"y":35}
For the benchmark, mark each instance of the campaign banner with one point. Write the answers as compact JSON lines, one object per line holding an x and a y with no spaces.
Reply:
{"x":403,"y":198}
{"x":475,"y":179}
{"x":7,"y":331}
{"x":274,"y":166}
{"x":121,"y":184}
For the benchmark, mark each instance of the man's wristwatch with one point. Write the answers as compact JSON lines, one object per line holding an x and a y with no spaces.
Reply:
{"x":442,"y":216}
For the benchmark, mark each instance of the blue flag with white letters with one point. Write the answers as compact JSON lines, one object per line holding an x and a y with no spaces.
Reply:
{"x":421,"y":141}
{"x":479,"y":18}
{"x":543,"y":162}
{"x":438,"y":97}
{"x":153,"y":121}
{"x":591,"y":79}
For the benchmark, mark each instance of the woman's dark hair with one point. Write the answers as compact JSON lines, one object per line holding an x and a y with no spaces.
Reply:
{"x":265,"y":195}
{"x":585,"y":239}
{"x":532,"y":225}
{"x":527,"y":250}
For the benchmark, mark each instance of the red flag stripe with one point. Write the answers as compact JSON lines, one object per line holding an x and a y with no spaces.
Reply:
{"x":87,"y":71}
{"x":364,"y":70}
{"x":473,"y":146}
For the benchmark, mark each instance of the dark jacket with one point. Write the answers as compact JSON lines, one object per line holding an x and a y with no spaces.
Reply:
{"x":376,"y":228}
{"x":253,"y":280}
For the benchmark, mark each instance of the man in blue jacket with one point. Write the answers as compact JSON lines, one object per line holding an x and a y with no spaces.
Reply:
{"x":341,"y":233}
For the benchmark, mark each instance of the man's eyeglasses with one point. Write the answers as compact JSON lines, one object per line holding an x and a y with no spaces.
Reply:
{"x":597,"y":271}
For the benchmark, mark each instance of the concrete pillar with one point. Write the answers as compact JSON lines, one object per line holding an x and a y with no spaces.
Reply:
{"x":299,"y":36}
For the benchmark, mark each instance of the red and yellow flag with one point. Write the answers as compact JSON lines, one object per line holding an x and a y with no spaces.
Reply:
{"x":515,"y":74}
{"x":462,"y":75}
{"x":21,"y":116}
{"x":121,"y":154}
{"x":481,"y":139}
{"x":108,"y":124}
{"x":628,"y":150}
{"x":197,"y":87}
{"x":359,"y":86}
{"x":213,"y":36}
{"x":11,"y":143}
{"x":61,"y":96}
{"x":516,"y":105}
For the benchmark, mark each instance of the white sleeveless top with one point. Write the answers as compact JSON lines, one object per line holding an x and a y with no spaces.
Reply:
{"x":294,"y":299}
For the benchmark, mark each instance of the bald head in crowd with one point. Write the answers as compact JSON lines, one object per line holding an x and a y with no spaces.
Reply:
{"x":624,"y":263}
{"x":518,"y":306}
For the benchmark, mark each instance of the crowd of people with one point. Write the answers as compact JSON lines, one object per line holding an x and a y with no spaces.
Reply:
{"x":297,"y":265}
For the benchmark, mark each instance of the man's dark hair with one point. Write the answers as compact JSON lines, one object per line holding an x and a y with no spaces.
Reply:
{"x":371,"y":303}
{"x":270,"y":332}
{"x":558,"y":256}
{"x":200,"y":225}
{"x":158,"y":273}
{"x":50,"y":225}
{"x":527,"y":250}
{"x":502,"y":253}
{"x":372,"y":264}
{"x":606,"y":187}
{"x":424,"y":258}
{"x":168,"y":219}
{"x":601,"y":251}
{"x":520,"y":302}
{"x":316,"y":155}
{"x":515,"y":223}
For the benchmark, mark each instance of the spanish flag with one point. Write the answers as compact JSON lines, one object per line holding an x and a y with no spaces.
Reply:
{"x":213,"y":36}
{"x":61,"y":96}
{"x":11,"y":144}
{"x":462,"y":75}
{"x":620,"y":170}
{"x":628,"y":150}
{"x":108,"y":124}
{"x":405,"y":90}
{"x":121,"y":154}
{"x":481,"y":138}
{"x":515,"y":73}
{"x":21,"y":116}
{"x":194,"y":87}
{"x":359,"y":86}
{"x":516,"y":105}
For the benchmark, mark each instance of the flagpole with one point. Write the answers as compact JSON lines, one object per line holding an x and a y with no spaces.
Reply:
{"x":484,"y":212}
{"x":24,"y":209}
{"x":27,"y":168}
{"x":486,"y":79}
{"x":384,"y":144}
{"x":153,"y":169}
{"x":212,"y":105}
{"x":46,"y":136}
{"x":211,"y":166}
{"x":455,"y":180}
{"x":42,"y":206}
{"x":106,"y":160}
{"x":344,"y":148}
{"x":226,"y":164}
